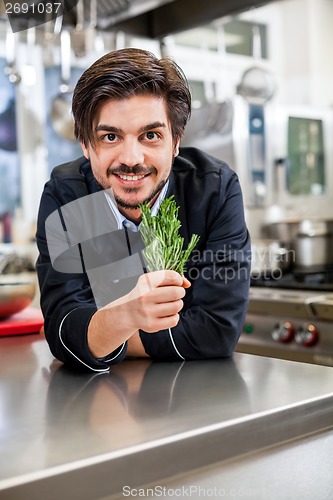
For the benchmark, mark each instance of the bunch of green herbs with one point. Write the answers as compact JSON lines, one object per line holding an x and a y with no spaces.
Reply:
{"x":160,"y":235}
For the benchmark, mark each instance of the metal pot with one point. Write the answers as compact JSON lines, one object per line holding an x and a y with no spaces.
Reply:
{"x":269,"y":259}
{"x":311,"y":241}
{"x":16,"y":292}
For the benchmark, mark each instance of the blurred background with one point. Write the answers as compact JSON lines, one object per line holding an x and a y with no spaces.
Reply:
{"x":260,"y":76}
{"x":261,"y":79}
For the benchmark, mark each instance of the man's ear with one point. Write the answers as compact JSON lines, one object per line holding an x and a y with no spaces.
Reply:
{"x":176,"y":148}
{"x":85,"y":150}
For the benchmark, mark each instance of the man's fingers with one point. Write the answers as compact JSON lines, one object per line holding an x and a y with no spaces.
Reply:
{"x":162,"y":278}
{"x":168,"y":309}
{"x":168,"y":294}
{"x":186,"y":283}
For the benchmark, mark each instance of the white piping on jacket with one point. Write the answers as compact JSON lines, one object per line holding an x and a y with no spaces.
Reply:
{"x":80,"y":360}
{"x":174,"y":345}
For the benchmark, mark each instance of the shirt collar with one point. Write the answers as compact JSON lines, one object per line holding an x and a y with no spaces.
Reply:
{"x":122,"y":220}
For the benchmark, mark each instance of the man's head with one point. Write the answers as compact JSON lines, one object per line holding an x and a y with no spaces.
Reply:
{"x":130,"y":111}
{"x":126,"y":73}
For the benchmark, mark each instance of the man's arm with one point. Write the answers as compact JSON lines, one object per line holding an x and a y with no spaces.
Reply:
{"x":135,"y":347}
{"x":152,"y":305}
{"x":78,"y":332}
{"x":215,"y":305}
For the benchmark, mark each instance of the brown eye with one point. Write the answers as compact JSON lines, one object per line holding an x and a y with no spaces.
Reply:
{"x":151,"y":135}
{"x":110,"y":137}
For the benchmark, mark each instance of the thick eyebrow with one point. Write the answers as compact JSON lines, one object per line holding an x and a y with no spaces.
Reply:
{"x":116,"y":130}
{"x":108,"y":128}
{"x":152,"y":126}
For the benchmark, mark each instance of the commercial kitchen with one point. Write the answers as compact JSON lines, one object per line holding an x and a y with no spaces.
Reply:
{"x":256,"y":425}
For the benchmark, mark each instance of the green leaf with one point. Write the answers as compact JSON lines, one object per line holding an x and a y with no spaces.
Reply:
{"x":160,"y":235}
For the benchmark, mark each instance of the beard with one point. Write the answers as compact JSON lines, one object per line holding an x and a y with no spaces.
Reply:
{"x":136,"y":205}
{"x":135,"y":170}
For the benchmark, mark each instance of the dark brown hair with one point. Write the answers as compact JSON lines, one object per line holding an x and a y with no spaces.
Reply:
{"x":124,"y":73}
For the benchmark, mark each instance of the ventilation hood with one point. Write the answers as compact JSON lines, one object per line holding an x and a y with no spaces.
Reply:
{"x":148,"y":18}
{"x":159,"y":18}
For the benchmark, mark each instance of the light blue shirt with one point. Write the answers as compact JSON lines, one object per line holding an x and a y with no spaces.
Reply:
{"x":121,"y":219}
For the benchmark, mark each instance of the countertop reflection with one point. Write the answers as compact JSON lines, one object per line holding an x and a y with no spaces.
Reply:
{"x":55,"y":421}
{"x":140,"y":400}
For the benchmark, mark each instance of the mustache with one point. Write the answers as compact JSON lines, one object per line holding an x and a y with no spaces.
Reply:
{"x":135,"y":170}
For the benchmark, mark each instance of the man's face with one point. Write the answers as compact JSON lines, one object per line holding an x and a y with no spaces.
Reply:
{"x":133,"y":150}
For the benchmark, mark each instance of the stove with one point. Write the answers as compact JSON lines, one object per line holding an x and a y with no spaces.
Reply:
{"x":290,"y":318}
{"x":320,"y":280}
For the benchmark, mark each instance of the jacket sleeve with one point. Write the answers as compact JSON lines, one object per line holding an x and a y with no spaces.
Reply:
{"x":67,"y":301}
{"x":215,"y":305}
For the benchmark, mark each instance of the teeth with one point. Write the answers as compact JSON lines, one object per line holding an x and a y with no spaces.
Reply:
{"x":131,"y":177}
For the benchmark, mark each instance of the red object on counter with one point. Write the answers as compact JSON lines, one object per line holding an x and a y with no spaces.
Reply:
{"x":29,"y":320}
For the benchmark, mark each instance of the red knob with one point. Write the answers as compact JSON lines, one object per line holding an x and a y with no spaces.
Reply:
{"x":307,"y":335}
{"x":283,"y":332}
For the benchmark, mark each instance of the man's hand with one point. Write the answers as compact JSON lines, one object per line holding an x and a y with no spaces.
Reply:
{"x":154,"y":304}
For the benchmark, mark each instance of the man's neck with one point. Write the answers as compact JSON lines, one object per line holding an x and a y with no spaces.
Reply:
{"x":134,"y":214}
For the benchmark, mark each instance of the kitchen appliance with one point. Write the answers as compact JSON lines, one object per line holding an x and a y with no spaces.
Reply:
{"x":303,"y":155}
{"x":311,"y":240}
{"x":257,"y":87}
{"x":291,"y":317}
{"x":290,"y":313}
{"x":306,"y":159}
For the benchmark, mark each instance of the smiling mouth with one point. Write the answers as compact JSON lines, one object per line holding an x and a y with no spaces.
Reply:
{"x":128,"y":178}
{"x":131,"y":177}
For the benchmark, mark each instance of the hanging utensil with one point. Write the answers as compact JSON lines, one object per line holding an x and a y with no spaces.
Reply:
{"x":78,"y":35}
{"x":257,"y":84}
{"x":10,"y":69}
{"x":93,"y":39}
{"x":61,"y":114}
{"x":28,"y":70}
{"x":52,"y":28}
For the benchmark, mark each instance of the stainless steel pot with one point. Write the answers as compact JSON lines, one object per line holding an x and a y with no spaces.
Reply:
{"x":16,"y":292}
{"x":269,"y":259}
{"x":311,"y":241}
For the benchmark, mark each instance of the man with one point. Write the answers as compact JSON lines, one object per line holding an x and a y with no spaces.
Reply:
{"x":130,"y":111}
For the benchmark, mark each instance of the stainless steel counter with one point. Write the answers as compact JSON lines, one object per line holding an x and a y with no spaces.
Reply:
{"x":85,"y":436}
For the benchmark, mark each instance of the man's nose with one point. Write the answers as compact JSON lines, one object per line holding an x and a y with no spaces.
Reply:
{"x":131,"y":153}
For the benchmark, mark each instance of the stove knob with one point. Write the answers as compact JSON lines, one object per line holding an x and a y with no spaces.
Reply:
{"x":283,"y":332}
{"x":307,"y":335}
